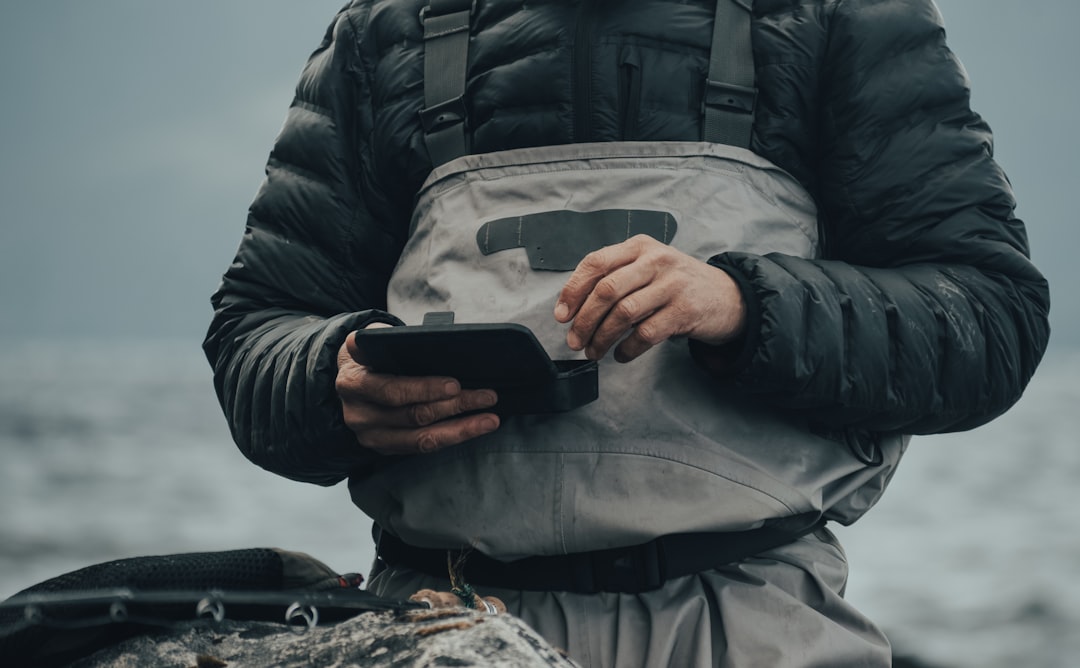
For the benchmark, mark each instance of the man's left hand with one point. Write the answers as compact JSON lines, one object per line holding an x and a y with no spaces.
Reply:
{"x":648,"y":292}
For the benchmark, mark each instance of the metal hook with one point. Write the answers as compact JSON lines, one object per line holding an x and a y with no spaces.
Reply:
{"x":297,"y":611}
{"x":33,"y":614}
{"x":210,"y":607}
{"x":118,"y":612}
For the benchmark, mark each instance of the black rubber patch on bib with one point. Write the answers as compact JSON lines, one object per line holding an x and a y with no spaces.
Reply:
{"x":558,"y":240}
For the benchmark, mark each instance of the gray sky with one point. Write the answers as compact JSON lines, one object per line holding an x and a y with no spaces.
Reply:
{"x":133,"y":135}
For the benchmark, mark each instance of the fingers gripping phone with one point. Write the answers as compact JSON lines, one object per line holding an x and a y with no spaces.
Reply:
{"x":505,"y":357}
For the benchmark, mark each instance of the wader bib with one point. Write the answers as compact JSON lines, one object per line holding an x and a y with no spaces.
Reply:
{"x":665,"y":448}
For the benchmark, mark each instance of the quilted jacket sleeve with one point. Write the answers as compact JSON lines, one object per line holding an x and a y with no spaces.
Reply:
{"x":926,"y":315}
{"x":311,"y":267}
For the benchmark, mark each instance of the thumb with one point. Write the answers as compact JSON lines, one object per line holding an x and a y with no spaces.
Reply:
{"x":347,"y":351}
{"x":350,"y":351}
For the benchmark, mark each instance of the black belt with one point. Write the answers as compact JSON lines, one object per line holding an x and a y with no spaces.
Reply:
{"x":627,"y":570}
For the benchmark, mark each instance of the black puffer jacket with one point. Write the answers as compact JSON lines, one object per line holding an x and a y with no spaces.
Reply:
{"x":926,"y":315}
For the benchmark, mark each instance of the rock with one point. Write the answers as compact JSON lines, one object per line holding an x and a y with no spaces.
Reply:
{"x":456,"y":637}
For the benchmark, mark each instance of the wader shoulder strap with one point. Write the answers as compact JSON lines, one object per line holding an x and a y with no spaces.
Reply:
{"x":728,"y":104}
{"x":446,"y":54}
{"x":730,"y":95}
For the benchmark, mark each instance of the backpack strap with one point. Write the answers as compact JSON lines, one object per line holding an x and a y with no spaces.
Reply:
{"x":730,"y":95}
{"x":446,"y":54}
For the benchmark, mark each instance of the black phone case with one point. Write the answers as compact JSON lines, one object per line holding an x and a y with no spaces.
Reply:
{"x":504,"y":357}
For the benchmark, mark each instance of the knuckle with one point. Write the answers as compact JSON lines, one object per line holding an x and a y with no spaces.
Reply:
{"x":478,"y":400}
{"x":395,"y":394}
{"x":354,"y":425}
{"x":583,"y":329}
{"x":372,"y":439}
{"x":607,"y":289}
{"x":474,"y":429}
{"x":341,"y":383}
{"x":349,"y":380}
{"x":683,"y":316}
{"x":594,"y":260}
{"x":573,"y":284}
{"x":422,"y":414}
{"x":471,"y":432}
{"x":650,"y":333}
{"x":626,"y":310}
{"x":584,"y":322}
{"x":427,"y":441}
{"x":466,"y":403}
{"x":358,"y":420}
{"x":644,"y":245}
{"x":653,"y":248}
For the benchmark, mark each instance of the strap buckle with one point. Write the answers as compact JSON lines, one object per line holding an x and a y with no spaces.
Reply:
{"x":438,"y":8}
{"x":443,"y":114}
{"x":729,"y":97}
{"x":630,"y":570}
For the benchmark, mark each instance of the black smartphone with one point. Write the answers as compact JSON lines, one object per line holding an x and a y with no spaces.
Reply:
{"x":505,"y":357}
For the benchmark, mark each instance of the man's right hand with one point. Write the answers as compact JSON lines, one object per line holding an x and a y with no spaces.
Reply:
{"x":404,"y":415}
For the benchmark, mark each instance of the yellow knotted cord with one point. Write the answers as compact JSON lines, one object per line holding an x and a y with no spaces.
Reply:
{"x":458,"y":586}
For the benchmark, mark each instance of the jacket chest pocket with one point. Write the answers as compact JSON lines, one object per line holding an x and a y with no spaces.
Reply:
{"x":657,"y":93}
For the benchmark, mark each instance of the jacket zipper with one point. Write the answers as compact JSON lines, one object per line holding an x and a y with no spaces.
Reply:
{"x":583,"y":70}
{"x":629,"y":98}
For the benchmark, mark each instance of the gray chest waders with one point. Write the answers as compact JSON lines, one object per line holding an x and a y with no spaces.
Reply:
{"x":665,"y":449}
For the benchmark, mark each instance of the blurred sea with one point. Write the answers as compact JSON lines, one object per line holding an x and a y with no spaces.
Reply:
{"x":118,"y":450}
